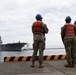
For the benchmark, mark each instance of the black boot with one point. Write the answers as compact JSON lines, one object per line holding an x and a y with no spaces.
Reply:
{"x":33,"y":65}
{"x":68,"y":65}
{"x":41,"y":65}
{"x":73,"y":63}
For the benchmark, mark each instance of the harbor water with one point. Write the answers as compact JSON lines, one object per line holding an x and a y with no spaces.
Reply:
{"x":29,"y":52}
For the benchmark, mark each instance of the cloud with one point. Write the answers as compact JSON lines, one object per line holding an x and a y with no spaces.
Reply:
{"x":17,"y":16}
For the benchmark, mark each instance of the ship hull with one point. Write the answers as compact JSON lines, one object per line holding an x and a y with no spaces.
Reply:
{"x":12,"y":46}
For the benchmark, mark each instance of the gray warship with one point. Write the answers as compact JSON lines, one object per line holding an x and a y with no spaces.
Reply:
{"x":17,"y":46}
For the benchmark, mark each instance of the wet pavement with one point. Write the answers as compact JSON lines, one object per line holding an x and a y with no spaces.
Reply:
{"x":52,"y":67}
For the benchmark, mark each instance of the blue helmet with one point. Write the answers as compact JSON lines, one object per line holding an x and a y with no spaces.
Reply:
{"x":68,"y":18}
{"x":38,"y":17}
{"x":75,"y":22}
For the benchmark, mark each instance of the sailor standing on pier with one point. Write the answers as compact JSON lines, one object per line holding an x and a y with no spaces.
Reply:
{"x":75,"y":40}
{"x":39,"y":29}
{"x":68,"y":38}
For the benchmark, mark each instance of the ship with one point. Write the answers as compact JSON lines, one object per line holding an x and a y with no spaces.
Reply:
{"x":16,"y":46}
{"x":12,"y":46}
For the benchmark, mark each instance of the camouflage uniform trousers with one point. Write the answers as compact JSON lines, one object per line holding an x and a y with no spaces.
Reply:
{"x":39,"y":44}
{"x":75,"y":48}
{"x":69,"y":43}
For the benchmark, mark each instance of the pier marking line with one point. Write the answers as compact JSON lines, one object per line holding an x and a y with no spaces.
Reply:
{"x":16,"y":58}
{"x":8,"y":58}
{"x":48,"y":57}
{"x":24,"y":58}
{"x":29,"y":58}
{"x":63,"y":57}
{"x":56,"y":57}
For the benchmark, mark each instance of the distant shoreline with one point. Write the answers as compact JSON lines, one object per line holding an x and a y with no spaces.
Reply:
{"x":54,"y":48}
{"x":48,"y":48}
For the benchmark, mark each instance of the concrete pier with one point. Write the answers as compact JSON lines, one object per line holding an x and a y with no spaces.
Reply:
{"x":52,"y":67}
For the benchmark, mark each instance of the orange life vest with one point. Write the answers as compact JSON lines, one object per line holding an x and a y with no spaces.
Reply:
{"x":69,"y":30}
{"x":37,"y":27}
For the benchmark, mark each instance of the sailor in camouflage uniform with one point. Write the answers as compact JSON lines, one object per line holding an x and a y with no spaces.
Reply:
{"x":75,"y":40}
{"x":68,"y":38}
{"x":39,"y":29}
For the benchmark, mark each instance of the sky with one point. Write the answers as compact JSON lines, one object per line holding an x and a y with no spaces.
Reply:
{"x":17,"y":16}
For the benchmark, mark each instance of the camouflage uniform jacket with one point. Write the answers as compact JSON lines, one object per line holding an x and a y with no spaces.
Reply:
{"x":43,"y":31}
{"x":63,"y":32}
